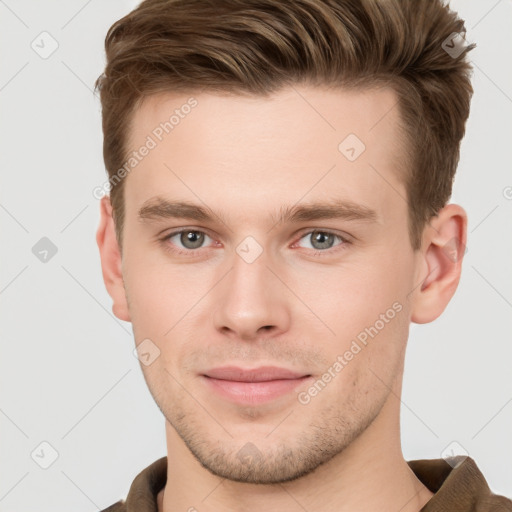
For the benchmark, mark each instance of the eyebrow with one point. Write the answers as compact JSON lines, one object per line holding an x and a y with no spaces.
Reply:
{"x":159,"y":208}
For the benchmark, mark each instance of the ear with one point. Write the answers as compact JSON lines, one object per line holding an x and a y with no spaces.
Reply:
{"x":441,"y":253}
{"x":110,"y":256}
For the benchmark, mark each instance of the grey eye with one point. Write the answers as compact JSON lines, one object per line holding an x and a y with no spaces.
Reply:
{"x":321,"y":239}
{"x":192,"y":239}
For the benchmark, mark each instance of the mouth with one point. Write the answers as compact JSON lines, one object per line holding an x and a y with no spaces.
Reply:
{"x":253,"y":386}
{"x":261,"y":374}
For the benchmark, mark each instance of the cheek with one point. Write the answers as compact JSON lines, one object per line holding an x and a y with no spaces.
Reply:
{"x":167,"y":306}
{"x":160,"y":292}
{"x":365,"y":308}
{"x":355,"y":295}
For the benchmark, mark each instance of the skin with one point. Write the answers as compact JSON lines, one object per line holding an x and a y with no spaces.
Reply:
{"x":245,"y":158}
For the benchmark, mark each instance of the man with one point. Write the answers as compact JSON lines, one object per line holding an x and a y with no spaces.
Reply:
{"x":279,"y":173}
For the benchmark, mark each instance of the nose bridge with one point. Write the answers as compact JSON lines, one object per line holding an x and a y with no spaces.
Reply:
{"x":250,"y":295}
{"x":250,"y":266}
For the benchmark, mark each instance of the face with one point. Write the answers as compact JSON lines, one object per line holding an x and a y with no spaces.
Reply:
{"x":253,"y":281}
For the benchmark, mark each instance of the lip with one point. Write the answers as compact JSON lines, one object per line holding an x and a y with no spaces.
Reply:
{"x":260,"y":374}
{"x":253,"y":387}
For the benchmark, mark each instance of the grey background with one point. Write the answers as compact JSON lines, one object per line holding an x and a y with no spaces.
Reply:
{"x":68,"y":374}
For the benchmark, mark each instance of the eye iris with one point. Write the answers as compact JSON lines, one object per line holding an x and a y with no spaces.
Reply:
{"x":319,"y":236}
{"x":195,"y":238}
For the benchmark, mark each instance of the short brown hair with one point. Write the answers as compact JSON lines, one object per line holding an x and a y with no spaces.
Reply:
{"x":258,"y":46}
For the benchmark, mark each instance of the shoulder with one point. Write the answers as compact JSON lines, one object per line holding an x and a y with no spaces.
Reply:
{"x":457,"y":483}
{"x":496,"y":503}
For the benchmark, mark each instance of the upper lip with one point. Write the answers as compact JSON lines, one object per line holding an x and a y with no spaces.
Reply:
{"x":261,"y":374}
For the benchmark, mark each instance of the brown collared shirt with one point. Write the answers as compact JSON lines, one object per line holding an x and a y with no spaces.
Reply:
{"x":461,"y":488}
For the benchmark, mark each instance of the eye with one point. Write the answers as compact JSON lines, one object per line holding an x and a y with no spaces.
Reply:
{"x":322,"y":241}
{"x":186,"y":240}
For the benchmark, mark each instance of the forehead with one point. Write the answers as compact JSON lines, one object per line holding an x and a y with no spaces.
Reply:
{"x":322,"y":109}
{"x":300,"y":142}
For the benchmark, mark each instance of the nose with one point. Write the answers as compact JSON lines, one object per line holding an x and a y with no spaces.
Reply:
{"x":252,"y":301}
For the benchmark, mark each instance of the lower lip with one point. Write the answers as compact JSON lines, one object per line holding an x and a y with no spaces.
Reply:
{"x":253,"y":392}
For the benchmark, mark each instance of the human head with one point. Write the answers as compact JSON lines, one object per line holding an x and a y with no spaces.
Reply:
{"x":256,"y":47}
{"x":245,"y":154}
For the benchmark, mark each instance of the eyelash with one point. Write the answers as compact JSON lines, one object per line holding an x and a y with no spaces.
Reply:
{"x":316,"y":252}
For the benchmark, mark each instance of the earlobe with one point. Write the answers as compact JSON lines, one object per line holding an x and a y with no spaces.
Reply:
{"x":110,"y":256}
{"x":444,"y":245}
